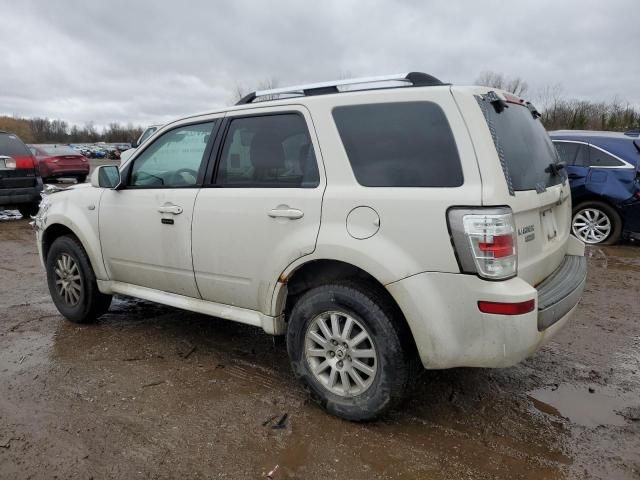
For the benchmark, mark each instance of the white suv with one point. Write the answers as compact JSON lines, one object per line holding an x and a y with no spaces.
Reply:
{"x":379,"y":223}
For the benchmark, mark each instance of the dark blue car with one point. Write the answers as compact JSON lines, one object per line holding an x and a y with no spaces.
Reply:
{"x":604,"y":173}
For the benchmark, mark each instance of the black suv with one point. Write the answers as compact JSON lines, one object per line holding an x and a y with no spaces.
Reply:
{"x":20,"y":183}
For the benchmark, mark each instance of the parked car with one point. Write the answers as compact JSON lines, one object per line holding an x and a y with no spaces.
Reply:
{"x":146,"y":134}
{"x":20,"y":183}
{"x":55,"y":161}
{"x":604,"y":172}
{"x":378,"y":228}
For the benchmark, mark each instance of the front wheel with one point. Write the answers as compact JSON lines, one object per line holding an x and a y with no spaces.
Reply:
{"x":344,"y":344}
{"x":72,"y":283}
{"x":596,"y":223}
{"x":81,"y":178}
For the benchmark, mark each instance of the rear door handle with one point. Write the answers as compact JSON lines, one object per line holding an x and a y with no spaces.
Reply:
{"x":170,"y":208}
{"x":573,"y":176}
{"x":286,"y":212}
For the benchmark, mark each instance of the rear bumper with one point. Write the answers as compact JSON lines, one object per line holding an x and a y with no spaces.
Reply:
{"x":561,"y":290}
{"x":450,"y":331}
{"x":47,"y":170}
{"x":17,"y":196}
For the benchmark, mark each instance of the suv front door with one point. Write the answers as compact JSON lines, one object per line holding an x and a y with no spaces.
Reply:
{"x":145,"y":226}
{"x":262,"y":209}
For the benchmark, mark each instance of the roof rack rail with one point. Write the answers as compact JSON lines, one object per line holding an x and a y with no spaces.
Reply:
{"x":416,"y":79}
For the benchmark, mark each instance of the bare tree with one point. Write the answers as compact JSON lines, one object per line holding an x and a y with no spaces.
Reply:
{"x":515,"y":85}
{"x":240,"y":90}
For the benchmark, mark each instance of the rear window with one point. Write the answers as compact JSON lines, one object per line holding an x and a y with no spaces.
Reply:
{"x":408,"y":144}
{"x":58,"y":150}
{"x":12,"y":146}
{"x":524,"y":147}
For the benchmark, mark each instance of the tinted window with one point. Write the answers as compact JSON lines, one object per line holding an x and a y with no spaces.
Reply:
{"x":173,"y":159}
{"x":598,"y":158}
{"x":571,"y":153}
{"x":12,"y":146}
{"x":523,"y":145}
{"x":268,"y":151}
{"x":399,"y":145}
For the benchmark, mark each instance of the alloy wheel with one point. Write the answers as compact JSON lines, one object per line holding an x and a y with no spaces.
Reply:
{"x":68,"y":279}
{"x":340,"y":353}
{"x":591,"y":225}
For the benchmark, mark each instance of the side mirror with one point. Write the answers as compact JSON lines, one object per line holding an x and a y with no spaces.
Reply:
{"x":106,"y":176}
{"x":135,"y":144}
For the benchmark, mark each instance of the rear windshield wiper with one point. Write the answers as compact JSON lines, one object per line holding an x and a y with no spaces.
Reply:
{"x":554,"y":168}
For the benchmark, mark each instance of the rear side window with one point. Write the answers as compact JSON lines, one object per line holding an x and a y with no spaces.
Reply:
{"x":598,"y":158}
{"x":12,"y":146}
{"x":270,"y":151}
{"x":571,"y":153}
{"x":408,"y":144}
{"x":523,"y":145}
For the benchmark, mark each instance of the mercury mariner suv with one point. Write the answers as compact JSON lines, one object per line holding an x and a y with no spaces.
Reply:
{"x":379,"y":223}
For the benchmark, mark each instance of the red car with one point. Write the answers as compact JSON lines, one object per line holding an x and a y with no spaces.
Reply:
{"x":56,"y":161}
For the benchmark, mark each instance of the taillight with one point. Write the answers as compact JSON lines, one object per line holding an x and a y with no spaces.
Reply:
{"x":24,"y":163}
{"x":485,"y":241}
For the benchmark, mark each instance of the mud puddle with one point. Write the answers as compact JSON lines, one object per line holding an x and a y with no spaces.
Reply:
{"x":590,"y":407}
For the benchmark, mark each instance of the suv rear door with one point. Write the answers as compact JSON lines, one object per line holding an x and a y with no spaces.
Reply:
{"x":521,"y":168}
{"x":261,"y":209}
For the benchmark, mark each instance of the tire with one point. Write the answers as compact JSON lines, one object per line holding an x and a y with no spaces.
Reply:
{"x":82,"y":302}
{"x":605,"y":219}
{"x":28,"y":209}
{"x":81,"y":178}
{"x":369,"y":313}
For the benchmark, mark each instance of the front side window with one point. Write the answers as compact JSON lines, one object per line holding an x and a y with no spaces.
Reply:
{"x":268,"y":151}
{"x":598,"y":158}
{"x":174,"y":159}
{"x":408,"y":144}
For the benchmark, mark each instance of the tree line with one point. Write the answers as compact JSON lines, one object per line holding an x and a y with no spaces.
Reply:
{"x":44,"y":130}
{"x":560,"y":112}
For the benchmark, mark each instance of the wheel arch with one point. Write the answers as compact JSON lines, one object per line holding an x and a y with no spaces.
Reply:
{"x":58,"y":229}
{"x":320,"y":271}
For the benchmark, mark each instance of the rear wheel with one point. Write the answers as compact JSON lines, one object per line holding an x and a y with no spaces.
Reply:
{"x":344,"y":344}
{"x":72,"y":283}
{"x":596,"y":223}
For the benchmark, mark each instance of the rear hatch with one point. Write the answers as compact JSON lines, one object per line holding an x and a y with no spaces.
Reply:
{"x":520,"y":168}
{"x":17,"y":165}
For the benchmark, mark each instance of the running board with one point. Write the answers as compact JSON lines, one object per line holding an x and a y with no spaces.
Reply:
{"x":271,"y":325}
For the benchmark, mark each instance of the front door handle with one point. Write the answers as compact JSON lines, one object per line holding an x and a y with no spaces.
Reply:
{"x":170,"y":208}
{"x":284,"y":211}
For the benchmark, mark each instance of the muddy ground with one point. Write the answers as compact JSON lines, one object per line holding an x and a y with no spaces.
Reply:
{"x":155,"y":392}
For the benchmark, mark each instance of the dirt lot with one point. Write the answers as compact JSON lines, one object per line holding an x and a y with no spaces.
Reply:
{"x":154,"y":392}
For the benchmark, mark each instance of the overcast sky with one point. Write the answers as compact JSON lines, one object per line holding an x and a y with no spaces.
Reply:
{"x":151,"y":61}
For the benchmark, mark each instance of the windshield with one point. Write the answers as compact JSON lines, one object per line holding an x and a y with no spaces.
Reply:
{"x":523,"y":145}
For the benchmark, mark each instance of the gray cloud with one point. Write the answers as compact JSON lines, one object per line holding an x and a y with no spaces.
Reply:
{"x":146,"y":62}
